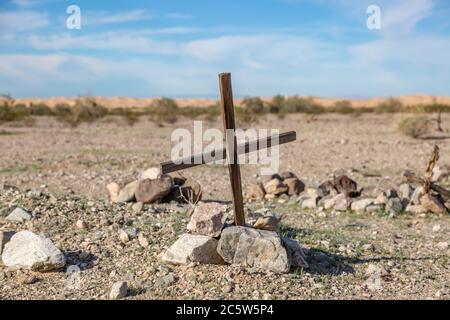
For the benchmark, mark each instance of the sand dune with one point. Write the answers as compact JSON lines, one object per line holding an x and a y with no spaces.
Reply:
{"x":116,"y":102}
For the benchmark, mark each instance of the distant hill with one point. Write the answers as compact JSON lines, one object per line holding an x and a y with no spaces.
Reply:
{"x":116,"y":102}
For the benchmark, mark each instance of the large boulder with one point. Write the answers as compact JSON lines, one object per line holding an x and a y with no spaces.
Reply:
{"x":150,"y":191}
{"x":127,"y":193}
{"x":19,"y":215}
{"x":30,"y":251}
{"x":258,"y":249}
{"x":193,"y":248}
{"x":208,"y":219}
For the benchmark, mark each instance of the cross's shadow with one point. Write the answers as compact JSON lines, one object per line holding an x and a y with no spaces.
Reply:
{"x":322,"y":262}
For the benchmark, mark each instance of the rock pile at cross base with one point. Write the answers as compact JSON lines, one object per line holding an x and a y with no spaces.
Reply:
{"x":212,"y":241}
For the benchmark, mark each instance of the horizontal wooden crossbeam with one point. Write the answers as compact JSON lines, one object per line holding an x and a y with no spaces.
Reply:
{"x":244,"y":148}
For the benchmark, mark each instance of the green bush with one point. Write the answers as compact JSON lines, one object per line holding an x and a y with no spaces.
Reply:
{"x":84,"y":110}
{"x":9,"y":112}
{"x":253,"y":105}
{"x":276,"y":104}
{"x":302,"y":105}
{"x":163,"y":110}
{"x":414,"y":127}
{"x":245,"y":117}
{"x":129,"y":114}
{"x":389,"y":106}
{"x":40,"y":109}
{"x":342,"y":107}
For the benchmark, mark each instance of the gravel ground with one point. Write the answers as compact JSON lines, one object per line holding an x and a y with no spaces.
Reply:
{"x":61,"y":175}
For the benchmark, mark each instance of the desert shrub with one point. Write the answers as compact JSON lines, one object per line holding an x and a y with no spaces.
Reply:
{"x":389,"y":106}
{"x":212,"y":112}
{"x":84,"y":110}
{"x":163,"y":110}
{"x":192,"y":112}
{"x":10,"y":112}
{"x":40,"y":109}
{"x":343,"y":107}
{"x":434,"y":108}
{"x":276,"y":104}
{"x":245,"y":117}
{"x":414,"y":127}
{"x":130,"y":115}
{"x":302,"y":105}
{"x":253,"y":105}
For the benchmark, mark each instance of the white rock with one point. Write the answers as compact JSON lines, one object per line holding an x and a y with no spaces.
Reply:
{"x":439,"y":173}
{"x":417,"y":194}
{"x":193,"y":248}
{"x":309,"y":203}
{"x":19,"y":215}
{"x":374,"y":208}
{"x":80,"y":224}
{"x":118,"y":290}
{"x":113,"y":190}
{"x":137,"y":207}
{"x":152,"y":173}
{"x":361,"y":205}
{"x":329,"y":203}
{"x":436,"y":228}
{"x":342,"y":202}
{"x":30,"y":251}
{"x":127,"y":194}
{"x":124,"y":237}
{"x":405,"y":191}
{"x":208,"y":219}
{"x":442,"y":245}
{"x":415,"y":209}
{"x":142,"y":240}
{"x":314,"y":192}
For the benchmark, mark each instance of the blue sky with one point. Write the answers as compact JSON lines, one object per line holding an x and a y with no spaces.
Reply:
{"x":176,"y":48}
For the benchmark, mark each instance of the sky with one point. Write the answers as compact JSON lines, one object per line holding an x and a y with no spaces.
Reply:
{"x":176,"y":48}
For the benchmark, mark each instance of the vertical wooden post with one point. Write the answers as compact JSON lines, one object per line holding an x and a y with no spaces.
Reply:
{"x":226,"y":94}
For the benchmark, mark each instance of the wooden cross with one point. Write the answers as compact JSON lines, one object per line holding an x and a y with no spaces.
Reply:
{"x":226,"y":94}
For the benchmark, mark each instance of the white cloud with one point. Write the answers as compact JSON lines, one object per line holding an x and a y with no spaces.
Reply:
{"x":26,"y":3}
{"x":403,"y":16}
{"x":22,"y":20}
{"x":101,"y":18}
{"x":178,"y":15}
